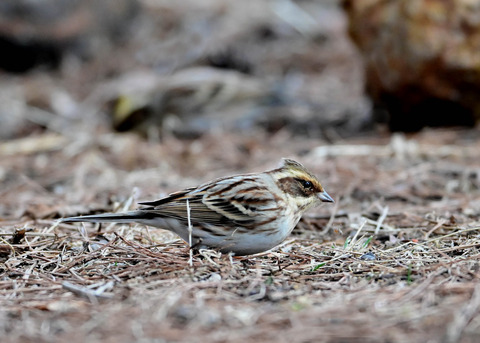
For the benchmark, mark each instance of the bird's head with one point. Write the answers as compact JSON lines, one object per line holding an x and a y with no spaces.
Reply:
{"x":300,"y":185}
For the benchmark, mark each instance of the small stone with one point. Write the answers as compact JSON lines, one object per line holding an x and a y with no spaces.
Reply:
{"x":369,"y":256}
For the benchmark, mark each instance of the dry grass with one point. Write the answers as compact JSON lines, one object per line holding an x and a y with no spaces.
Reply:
{"x":396,"y":259}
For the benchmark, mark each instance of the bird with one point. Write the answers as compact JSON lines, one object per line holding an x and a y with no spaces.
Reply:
{"x":240,"y":214}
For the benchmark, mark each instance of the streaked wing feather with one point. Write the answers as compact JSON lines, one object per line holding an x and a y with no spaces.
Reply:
{"x":237,"y":199}
{"x":240,"y":199}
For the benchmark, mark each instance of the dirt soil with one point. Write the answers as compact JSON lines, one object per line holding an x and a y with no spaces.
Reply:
{"x":395,"y":259}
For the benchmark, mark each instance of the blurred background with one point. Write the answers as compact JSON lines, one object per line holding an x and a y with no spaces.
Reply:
{"x":187,"y":68}
{"x":319,"y":69}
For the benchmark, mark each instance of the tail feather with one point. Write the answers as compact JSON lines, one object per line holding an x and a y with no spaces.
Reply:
{"x":124,"y":217}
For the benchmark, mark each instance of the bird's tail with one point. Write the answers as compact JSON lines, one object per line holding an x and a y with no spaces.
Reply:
{"x":123,"y":217}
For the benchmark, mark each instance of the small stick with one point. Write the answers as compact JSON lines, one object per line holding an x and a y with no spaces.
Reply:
{"x":354,"y":239}
{"x":381,"y":219}
{"x":463,"y":317}
{"x":31,"y":234}
{"x":438,"y":225}
{"x":190,"y":259}
{"x":332,"y":218}
{"x":87,"y":293}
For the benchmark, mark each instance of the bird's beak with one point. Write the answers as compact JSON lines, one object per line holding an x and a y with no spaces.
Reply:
{"x":323,"y":196}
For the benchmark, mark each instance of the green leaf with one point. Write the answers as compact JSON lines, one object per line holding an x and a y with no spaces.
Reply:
{"x":318,"y":266}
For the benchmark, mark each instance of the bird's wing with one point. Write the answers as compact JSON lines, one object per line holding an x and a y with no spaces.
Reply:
{"x":242,"y":199}
{"x":239,"y":199}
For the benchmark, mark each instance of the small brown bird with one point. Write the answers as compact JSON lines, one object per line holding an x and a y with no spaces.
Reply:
{"x":242,"y":214}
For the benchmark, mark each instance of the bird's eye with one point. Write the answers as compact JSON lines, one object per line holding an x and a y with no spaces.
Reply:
{"x":307,"y":184}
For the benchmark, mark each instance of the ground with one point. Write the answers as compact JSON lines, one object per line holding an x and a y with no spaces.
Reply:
{"x":395,"y":259}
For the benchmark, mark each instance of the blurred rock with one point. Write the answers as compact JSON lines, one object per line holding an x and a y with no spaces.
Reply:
{"x":186,"y":103}
{"x":197,"y":100}
{"x":188,"y":67}
{"x":422,"y":59}
{"x":278,"y":65}
{"x":38,"y":33}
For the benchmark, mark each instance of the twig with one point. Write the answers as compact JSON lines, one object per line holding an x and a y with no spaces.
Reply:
{"x":88,"y":293}
{"x":432,"y":239}
{"x":381,"y":219}
{"x":462,"y":317}
{"x":354,"y":239}
{"x":331,"y":219}
{"x":460,"y":247}
{"x":190,"y":259}
{"x":31,"y":145}
{"x":9,"y":245}
{"x":31,"y":234}
{"x":438,"y":225}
